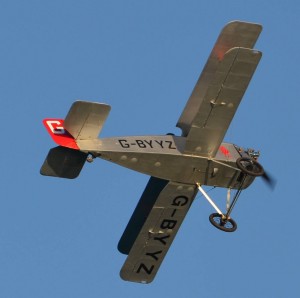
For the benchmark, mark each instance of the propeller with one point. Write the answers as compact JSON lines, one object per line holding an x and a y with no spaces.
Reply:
{"x":269,"y":180}
{"x":252,"y":167}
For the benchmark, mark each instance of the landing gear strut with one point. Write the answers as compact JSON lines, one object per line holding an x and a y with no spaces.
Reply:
{"x":224,"y":222}
{"x":220,"y":220}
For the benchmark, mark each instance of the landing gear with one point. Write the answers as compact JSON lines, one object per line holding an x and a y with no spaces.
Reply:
{"x":90,"y":158}
{"x":219,"y":220}
{"x":221,"y":223}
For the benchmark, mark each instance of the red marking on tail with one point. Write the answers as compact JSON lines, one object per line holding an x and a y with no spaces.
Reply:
{"x":55,"y":128}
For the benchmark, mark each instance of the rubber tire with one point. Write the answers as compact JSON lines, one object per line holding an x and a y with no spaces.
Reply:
{"x":260,"y":170}
{"x":220,"y":226}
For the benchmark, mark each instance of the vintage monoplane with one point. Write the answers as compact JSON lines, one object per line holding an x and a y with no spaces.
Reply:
{"x":178,"y":165}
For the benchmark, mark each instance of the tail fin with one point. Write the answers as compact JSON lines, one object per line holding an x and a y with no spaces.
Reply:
{"x":83,"y":122}
{"x":59,"y":134}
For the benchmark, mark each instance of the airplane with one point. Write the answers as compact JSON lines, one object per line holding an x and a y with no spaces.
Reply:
{"x":178,"y":166}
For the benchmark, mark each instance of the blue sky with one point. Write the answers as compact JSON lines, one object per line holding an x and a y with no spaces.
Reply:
{"x":58,"y":238}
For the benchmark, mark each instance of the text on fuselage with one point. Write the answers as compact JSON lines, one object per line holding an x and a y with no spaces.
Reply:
{"x":147,"y":144}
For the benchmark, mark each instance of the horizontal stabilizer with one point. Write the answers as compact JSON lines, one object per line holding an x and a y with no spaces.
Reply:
{"x":63,"y":162}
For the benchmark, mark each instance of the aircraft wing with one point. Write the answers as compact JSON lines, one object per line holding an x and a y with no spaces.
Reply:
{"x":220,"y":88}
{"x":150,"y":246}
{"x":140,"y":214}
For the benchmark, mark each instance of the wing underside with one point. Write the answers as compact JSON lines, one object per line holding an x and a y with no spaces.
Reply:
{"x":158,"y":231}
{"x":220,"y":88}
{"x":140,"y":214}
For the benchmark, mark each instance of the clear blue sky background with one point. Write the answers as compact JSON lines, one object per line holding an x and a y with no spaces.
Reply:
{"x":58,"y":238}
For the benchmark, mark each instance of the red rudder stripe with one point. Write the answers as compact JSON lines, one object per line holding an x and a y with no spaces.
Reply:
{"x":55,"y":128}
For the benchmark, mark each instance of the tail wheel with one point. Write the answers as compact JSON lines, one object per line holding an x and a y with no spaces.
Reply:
{"x":250,"y":166}
{"x":226,"y":225}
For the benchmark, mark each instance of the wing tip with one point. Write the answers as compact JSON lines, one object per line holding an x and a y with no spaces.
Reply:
{"x":243,"y":24}
{"x":131,"y":276}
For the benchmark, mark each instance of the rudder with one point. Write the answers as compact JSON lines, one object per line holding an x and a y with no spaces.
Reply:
{"x":84,"y":121}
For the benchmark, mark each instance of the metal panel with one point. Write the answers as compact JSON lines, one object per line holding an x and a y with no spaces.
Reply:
{"x":140,"y":214}
{"x":158,"y":232}
{"x":235,"y":34}
{"x":63,"y":162}
{"x":221,"y":101}
{"x":85,"y":119}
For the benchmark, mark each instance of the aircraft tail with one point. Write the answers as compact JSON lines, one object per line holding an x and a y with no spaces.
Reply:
{"x":63,"y":162}
{"x":59,"y":134}
{"x":83,"y":122}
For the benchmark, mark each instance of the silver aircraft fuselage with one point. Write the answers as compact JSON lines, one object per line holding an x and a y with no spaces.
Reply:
{"x":162,"y":157}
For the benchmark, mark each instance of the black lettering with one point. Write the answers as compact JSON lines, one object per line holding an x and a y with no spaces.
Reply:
{"x":170,"y":144}
{"x":160,"y":143}
{"x":173,"y":213}
{"x":180,"y":201}
{"x":149,"y":143}
{"x":168,"y":224}
{"x":153,"y":254}
{"x":162,"y":239}
{"x":140,"y":143}
{"x":124,"y":143}
{"x":145,"y":268}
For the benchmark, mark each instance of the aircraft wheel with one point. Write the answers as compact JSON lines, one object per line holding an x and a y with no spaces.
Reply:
{"x":228,"y":225}
{"x":90,"y":159}
{"x":250,"y":166}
